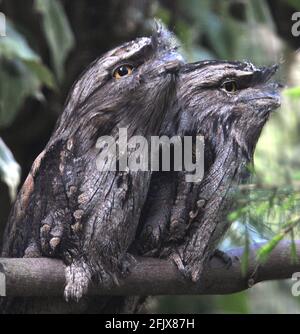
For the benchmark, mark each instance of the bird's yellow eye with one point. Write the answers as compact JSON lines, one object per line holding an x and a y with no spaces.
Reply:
{"x":229,"y":86}
{"x":122,"y":71}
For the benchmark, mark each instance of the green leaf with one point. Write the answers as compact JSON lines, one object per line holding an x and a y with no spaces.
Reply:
{"x":42,"y":73}
{"x":14,"y":45}
{"x":296,"y":175}
{"x":21,"y":74}
{"x":261,"y":12}
{"x":235,"y":215}
{"x":294,"y":256}
{"x":17,"y":83}
{"x":293,"y":3}
{"x":234,"y":303}
{"x":292,"y":92}
{"x":245,"y":256}
{"x":57,"y":31}
{"x":164,"y":15}
{"x":262,"y":208}
{"x":264,"y":251}
{"x":10,"y":171}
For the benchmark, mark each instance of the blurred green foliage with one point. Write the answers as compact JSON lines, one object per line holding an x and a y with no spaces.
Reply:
{"x":23,"y":74}
{"x":217,"y":29}
{"x":57,"y":31}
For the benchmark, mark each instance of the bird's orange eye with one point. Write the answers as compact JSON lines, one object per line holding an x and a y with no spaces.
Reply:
{"x":229,"y":86}
{"x":122,"y":71}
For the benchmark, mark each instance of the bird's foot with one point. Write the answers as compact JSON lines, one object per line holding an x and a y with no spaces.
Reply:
{"x":127,"y":264}
{"x":150,"y":240}
{"x":190,"y":270}
{"x":32,"y":250}
{"x":78,"y":278}
{"x":224,"y":257}
{"x":51,"y":233}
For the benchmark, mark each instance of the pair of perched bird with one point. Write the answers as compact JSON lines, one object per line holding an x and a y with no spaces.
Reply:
{"x":95,"y":220}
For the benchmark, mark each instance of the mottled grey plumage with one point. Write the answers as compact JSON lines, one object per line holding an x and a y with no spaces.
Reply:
{"x":185,"y":221}
{"x":69,"y":209}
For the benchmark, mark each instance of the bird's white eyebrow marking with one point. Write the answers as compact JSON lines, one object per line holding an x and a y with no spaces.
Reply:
{"x":124,"y":52}
{"x":103,"y":65}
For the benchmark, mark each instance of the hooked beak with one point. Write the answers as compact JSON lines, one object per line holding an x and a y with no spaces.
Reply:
{"x":270,"y":91}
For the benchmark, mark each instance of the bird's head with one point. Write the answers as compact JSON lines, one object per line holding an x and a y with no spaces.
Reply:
{"x":129,"y":87}
{"x":228,"y":101}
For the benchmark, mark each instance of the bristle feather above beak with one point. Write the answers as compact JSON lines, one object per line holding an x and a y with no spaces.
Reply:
{"x":162,"y":38}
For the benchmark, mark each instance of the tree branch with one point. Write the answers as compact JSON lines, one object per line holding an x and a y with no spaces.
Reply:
{"x":44,"y":276}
